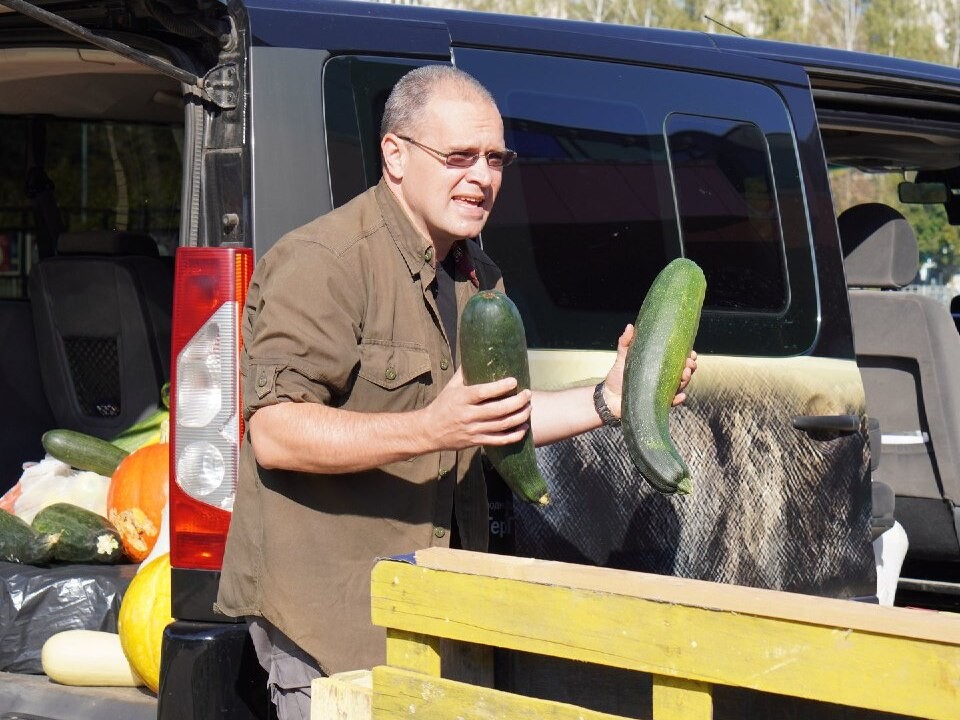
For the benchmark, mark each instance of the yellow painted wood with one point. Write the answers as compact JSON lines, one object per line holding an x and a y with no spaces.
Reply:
{"x":680,"y":699}
{"x":342,"y":696}
{"x":942,"y":627}
{"x":413,"y":651}
{"x":403,"y":694}
{"x":918,"y":677}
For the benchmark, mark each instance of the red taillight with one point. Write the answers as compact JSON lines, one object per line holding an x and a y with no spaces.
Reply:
{"x":205,"y":413}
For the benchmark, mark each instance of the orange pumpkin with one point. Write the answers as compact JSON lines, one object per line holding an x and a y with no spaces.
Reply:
{"x":137,"y":496}
{"x":144,"y":612}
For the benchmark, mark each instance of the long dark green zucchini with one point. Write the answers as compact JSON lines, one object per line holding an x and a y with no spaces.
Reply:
{"x":665,"y":330}
{"x":493,"y":346}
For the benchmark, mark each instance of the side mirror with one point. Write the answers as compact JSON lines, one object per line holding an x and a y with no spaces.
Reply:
{"x":923,"y":193}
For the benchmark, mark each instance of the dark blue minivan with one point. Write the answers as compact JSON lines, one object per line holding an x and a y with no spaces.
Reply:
{"x":195,"y":133}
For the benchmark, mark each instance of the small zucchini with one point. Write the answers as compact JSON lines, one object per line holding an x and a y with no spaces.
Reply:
{"x":493,"y":346}
{"x":665,"y":330}
{"x":20,"y":543}
{"x":82,"y":451}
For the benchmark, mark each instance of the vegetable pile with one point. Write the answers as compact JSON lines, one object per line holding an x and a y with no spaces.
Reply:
{"x":95,"y":501}
{"x":90,"y":500}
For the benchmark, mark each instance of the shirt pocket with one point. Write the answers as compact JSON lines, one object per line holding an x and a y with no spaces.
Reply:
{"x":392,"y":377}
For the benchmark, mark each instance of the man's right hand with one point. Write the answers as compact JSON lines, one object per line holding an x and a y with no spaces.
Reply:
{"x":465,"y":416}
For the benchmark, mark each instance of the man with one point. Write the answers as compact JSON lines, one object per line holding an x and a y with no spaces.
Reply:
{"x":362,"y":438}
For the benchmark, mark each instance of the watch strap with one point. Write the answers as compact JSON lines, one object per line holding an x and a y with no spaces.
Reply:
{"x":603,"y":411}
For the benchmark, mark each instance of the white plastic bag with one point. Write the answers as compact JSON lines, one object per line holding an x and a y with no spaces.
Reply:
{"x":51,"y":481}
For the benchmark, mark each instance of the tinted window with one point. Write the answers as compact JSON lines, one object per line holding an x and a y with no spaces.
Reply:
{"x":728,"y":210}
{"x":624,"y":167}
{"x":355,"y":91}
{"x":104,"y":175}
{"x":621,"y":169}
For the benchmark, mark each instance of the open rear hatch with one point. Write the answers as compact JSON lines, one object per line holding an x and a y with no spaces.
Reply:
{"x":201,"y":28}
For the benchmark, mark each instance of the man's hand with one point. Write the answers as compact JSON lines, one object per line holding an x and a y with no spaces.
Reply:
{"x":613,"y":384}
{"x":465,"y":416}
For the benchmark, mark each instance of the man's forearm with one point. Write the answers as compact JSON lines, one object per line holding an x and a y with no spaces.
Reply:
{"x":314,"y":438}
{"x":561,"y":414}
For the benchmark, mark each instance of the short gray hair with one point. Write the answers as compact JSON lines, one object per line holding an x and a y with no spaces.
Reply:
{"x":405,"y":106}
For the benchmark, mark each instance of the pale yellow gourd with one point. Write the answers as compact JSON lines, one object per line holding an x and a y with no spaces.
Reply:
{"x":88,"y":658}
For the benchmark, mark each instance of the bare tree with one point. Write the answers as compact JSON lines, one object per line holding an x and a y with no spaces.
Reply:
{"x":843,"y":19}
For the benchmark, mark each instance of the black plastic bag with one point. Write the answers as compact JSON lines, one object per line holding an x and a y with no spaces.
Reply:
{"x":38,"y":602}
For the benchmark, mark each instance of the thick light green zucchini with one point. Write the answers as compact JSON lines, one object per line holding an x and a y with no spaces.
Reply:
{"x":83,"y":536}
{"x":665,"y":330}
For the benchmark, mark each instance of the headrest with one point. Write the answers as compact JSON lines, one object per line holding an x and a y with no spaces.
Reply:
{"x":879,"y":247}
{"x":106,"y":242}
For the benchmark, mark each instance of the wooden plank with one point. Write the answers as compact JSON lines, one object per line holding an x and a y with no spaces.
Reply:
{"x":413,"y":651}
{"x":680,"y":699}
{"x":465,"y":662}
{"x":833,"y":664}
{"x":918,"y":624}
{"x":343,"y":696}
{"x":404,"y":694}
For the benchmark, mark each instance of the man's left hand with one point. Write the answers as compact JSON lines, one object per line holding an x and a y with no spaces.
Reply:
{"x":613,"y":384}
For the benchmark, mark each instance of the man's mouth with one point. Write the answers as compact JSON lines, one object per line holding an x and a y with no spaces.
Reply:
{"x":473,"y":201}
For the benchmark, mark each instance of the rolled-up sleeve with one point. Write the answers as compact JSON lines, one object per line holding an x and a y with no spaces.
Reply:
{"x":301,"y":327}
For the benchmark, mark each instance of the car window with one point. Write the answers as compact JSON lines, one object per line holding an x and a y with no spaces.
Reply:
{"x":937,"y":239}
{"x":355,"y":91}
{"x":104,"y":175}
{"x":727,"y":205}
{"x":622,"y":168}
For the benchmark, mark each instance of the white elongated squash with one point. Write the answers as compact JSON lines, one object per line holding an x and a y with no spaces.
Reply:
{"x":88,"y":658}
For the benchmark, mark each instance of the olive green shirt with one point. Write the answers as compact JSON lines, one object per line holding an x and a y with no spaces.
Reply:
{"x":341,"y":311}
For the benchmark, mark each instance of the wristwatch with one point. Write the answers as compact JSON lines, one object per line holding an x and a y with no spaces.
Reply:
{"x":603,"y":411}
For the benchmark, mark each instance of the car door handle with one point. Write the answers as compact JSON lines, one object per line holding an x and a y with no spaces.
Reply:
{"x":827,"y":423}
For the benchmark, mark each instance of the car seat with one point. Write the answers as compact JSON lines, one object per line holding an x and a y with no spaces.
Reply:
{"x":907,"y":348}
{"x":102,"y":309}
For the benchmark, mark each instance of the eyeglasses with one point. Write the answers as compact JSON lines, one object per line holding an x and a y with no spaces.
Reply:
{"x":462,"y":159}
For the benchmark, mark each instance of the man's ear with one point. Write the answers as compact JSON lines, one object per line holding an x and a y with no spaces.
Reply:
{"x":394,"y":156}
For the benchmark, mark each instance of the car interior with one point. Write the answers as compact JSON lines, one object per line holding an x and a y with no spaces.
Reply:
{"x":894,"y":156}
{"x":89,"y":220}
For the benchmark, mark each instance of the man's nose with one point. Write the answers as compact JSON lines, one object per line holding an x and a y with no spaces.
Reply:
{"x":480,"y":171}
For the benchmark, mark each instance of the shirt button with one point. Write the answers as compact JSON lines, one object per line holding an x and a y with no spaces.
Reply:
{"x":444,"y":364}
{"x":428,"y":254}
{"x":390,"y":374}
{"x":262,"y":380}
{"x":439,"y":532}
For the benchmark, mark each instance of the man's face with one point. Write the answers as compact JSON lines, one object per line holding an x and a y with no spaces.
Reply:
{"x":448,"y":204}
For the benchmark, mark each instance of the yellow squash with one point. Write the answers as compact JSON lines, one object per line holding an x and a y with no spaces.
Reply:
{"x":144,"y":613}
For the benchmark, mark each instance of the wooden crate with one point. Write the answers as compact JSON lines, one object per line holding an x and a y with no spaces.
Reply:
{"x":446,"y":613}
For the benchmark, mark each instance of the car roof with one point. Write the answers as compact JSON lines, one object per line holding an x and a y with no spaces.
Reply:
{"x":501,"y":28}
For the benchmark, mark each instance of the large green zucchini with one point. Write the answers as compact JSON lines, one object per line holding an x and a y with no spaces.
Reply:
{"x":493,"y":346}
{"x":665,"y":330}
